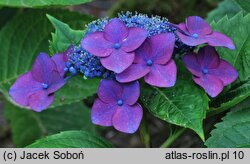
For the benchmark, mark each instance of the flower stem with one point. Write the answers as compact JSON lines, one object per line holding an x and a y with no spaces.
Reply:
{"x":70,"y":76}
{"x":169,"y":141}
{"x":144,"y":133}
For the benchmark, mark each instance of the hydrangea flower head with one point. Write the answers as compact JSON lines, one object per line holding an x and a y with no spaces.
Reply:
{"x":35,"y":89}
{"x":153,"y":62}
{"x":197,"y":31}
{"x":117,"y":106}
{"x":209,"y":71}
{"x":115,"y":45}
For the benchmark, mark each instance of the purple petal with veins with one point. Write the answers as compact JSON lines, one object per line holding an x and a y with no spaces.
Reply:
{"x":134,"y":72}
{"x":192,"y":64}
{"x":131,"y":93}
{"x":219,"y":39}
{"x":102,"y":113}
{"x":162,"y":75}
{"x":40,"y":100}
{"x":127,"y":118}
{"x":109,"y":91}
{"x":135,"y":38}
{"x":197,"y":25}
{"x":24,"y":86}
{"x":212,"y":85}
{"x":42,"y":68}
{"x":118,"y":61}
{"x":115,"y":31}
{"x":60,"y":60}
{"x":208,"y":57}
{"x":97,"y":45}
{"x":225,"y":72}
{"x":55,"y":82}
{"x":191,"y":41}
{"x":162,"y":47}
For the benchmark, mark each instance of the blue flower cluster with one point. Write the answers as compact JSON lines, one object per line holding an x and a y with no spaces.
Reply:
{"x":86,"y":63}
{"x":90,"y":66}
{"x":154,"y":24}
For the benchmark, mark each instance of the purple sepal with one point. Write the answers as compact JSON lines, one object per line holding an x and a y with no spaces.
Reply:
{"x":210,"y":72}
{"x":61,"y":58}
{"x":117,"y":106}
{"x":153,"y":62}
{"x":115,"y":45}
{"x":197,"y":31}
{"x":35,"y":88}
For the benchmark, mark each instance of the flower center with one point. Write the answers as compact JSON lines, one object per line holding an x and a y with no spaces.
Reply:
{"x":149,"y":63}
{"x":195,"y":35}
{"x":120,"y":102}
{"x":45,"y":86}
{"x":117,"y":46}
{"x":205,"y":71}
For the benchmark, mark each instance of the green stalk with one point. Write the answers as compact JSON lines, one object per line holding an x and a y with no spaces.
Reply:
{"x":169,"y":141}
{"x":144,"y":133}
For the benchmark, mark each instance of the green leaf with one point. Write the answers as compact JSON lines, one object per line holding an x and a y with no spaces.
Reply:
{"x":236,"y":28}
{"x":230,"y":98}
{"x":226,"y":7}
{"x":6,"y":15}
{"x":24,"y":37}
{"x":233,"y":131}
{"x":184,"y":104}
{"x":75,"y":90}
{"x":28,"y":126}
{"x":71,"y":139}
{"x":244,"y":4}
{"x":64,"y":35}
{"x":40,"y":3}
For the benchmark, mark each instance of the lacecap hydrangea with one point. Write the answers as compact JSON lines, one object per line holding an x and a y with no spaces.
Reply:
{"x":121,"y":51}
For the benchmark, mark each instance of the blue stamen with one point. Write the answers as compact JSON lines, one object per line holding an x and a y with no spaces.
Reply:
{"x":45,"y":86}
{"x":149,"y":63}
{"x":89,"y":65}
{"x":117,"y":46}
{"x":66,"y":69}
{"x":120,"y":102}
{"x":205,"y":71}
{"x":195,"y":36}
{"x":68,"y":64}
{"x":73,"y":70}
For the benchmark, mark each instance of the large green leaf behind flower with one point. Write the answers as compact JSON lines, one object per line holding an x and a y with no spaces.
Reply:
{"x":28,"y":126}
{"x":236,"y":28}
{"x":40,"y":3}
{"x":185,"y":104}
{"x":233,"y":131}
{"x":226,"y":7}
{"x":244,"y":4}
{"x":71,"y":139}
